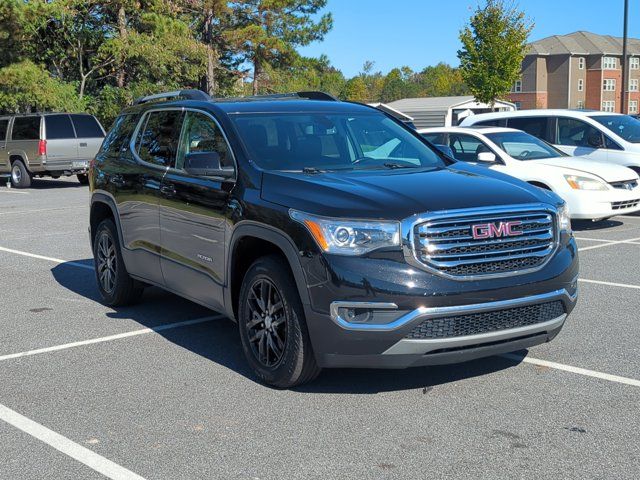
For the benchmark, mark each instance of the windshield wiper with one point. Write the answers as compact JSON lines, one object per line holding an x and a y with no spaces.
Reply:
{"x":393,"y":165}
{"x":312,"y":170}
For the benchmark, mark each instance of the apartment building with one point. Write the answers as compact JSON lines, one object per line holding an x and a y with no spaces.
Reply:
{"x":578,"y":70}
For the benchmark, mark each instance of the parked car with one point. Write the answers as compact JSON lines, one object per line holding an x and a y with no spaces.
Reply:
{"x":602,"y":136}
{"x":48,"y":145}
{"x":283,"y":213}
{"x":592,"y":190}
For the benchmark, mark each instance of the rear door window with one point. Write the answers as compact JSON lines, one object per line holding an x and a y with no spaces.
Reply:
{"x":4,"y":124}
{"x":575,"y":133}
{"x":86,"y":126}
{"x":536,"y":126}
{"x":26,"y":128}
{"x":58,"y":127}
{"x":157,"y":143}
{"x":119,"y":136}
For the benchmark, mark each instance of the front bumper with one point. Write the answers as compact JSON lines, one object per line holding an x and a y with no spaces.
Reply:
{"x":585,"y":205}
{"x":401,"y":298}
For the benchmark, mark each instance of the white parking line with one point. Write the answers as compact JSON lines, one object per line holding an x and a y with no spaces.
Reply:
{"x":42,"y":257}
{"x":577,"y":370}
{"x":118,"y":336}
{"x":13,"y":191}
{"x":611,"y":284}
{"x":617,"y":242}
{"x":70,"y":448}
{"x":38,"y":210}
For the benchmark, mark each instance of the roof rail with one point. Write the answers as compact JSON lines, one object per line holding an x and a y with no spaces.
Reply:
{"x":308,"y":95}
{"x":187,"y":94}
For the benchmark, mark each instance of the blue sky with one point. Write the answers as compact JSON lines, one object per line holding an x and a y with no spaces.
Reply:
{"x":417,"y":33}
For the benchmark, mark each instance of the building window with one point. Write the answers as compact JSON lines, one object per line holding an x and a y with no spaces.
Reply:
{"x":518,"y":105}
{"x":580,"y":63}
{"x":609,"y":85}
{"x":633,"y":85}
{"x":634,"y":63}
{"x":580,"y":84}
{"x":609,"y":106}
{"x":517,"y":87}
{"x":609,"y":63}
{"x":633,"y":106}
{"x":580,"y":105}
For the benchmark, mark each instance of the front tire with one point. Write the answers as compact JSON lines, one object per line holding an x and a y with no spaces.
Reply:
{"x":272,"y":325}
{"x":20,"y":176}
{"x":116,"y":287}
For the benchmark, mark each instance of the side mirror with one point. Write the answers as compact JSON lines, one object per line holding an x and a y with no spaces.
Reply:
{"x":446,"y":150}
{"x":486,"y":157}
{"x":595,"y":140}
{"x":206,"y":164}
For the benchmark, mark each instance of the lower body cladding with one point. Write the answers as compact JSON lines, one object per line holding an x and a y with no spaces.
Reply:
{"x":464,"y":321}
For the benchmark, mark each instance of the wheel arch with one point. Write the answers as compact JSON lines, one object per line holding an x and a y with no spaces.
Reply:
{"x":103,"y":206}
{"x":271,"y":240}
{"x":539,"y":184}
{"x":15,"y":155}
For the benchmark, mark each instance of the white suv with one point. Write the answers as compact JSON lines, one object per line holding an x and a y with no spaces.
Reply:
{"x":592,"y":190}
{"x":603,"y":136}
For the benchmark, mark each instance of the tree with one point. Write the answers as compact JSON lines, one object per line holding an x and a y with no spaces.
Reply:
{"x":269,"y":31}
{"x":493,"y":47}
{"x":355,"y":90}
{"x":393,"y":87}
{"x":441,"y":80}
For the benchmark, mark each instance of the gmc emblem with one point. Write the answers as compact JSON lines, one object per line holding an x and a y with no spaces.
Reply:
{"x":482,"y":231}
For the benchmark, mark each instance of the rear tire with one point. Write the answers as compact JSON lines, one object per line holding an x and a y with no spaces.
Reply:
{"x":83,"y":178}
{"x":272,"y":325}
{"x":116,"y":287}
{"x":20,"y":176}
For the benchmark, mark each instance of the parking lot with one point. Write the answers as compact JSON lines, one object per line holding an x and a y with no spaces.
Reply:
{"x":161,"y":390}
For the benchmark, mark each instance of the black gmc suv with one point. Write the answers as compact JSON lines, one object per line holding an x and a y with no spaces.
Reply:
{"x":334,"y":235}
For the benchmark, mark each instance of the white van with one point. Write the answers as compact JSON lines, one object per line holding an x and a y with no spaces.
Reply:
{"x":603,"y":136}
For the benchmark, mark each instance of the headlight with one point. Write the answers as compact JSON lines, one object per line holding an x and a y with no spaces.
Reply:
{"x":349,"y":237}
{"x":564,"y":219}
{"x":585,"y":183}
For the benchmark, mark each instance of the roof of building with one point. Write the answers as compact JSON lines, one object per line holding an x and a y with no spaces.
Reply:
{"x":432,"y":103}
{"x":583,"y":43}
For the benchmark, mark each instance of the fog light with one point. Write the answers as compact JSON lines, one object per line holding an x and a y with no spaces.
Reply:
{"x":355,"y":315}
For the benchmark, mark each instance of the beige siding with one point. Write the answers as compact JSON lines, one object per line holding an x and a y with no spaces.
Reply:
{"x":557,"y":80}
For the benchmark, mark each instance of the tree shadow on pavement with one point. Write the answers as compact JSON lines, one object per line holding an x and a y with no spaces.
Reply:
{"x":218,"y":341}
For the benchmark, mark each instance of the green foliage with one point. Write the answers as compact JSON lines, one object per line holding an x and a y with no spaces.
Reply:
{"x":493,"y":47}
{"x":27,"y":87}
{"x":355,"y":90}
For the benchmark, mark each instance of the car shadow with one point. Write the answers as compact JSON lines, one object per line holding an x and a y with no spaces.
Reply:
{"x":588,"y":225}
{"x":47,"y":183}
{"x":219,"y":342}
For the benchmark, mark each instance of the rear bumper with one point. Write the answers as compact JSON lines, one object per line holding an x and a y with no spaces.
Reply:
{"x":402,"y":350}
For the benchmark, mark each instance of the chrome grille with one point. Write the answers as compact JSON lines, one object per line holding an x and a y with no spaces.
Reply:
{"x":447,"y":243}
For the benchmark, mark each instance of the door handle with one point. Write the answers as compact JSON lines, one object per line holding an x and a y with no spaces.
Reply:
{"x":83,"y":144}
{"x":168,"y":190}
{"x":117,"y":180}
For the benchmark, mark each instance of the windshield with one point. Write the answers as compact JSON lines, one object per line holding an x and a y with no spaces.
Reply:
{"x":624,"y":126}
{"x":331,"y":141}
{"x":522,"y":146}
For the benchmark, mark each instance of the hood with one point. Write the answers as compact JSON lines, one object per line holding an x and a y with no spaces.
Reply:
{"x":394,"y":194}
{"x":609,"y":172}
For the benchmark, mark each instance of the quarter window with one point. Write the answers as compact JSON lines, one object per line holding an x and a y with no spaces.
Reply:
{"x":86,"y":126}
{"x":201,"y":134}
{"x":120,"y":134}
{"x":59,"y":127}
{"x":157,"y":143}
{"x":575,"y":133}
{"x":609,"y":85}
{"x":609,"y":106}
{"x":536,"y":126}
{"x":26,"y":128}
{"x":609,"y":63}
{"x":4,"y":124}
